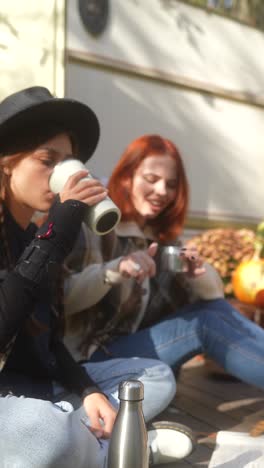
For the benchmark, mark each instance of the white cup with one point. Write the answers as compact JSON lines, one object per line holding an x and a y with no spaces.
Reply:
{"x":103,"y":216}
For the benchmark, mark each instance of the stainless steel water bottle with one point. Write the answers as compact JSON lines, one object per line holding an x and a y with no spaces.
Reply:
{"x":129,"y":442}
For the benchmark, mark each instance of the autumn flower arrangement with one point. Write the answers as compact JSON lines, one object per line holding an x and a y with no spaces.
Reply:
{"x":225,"y":249}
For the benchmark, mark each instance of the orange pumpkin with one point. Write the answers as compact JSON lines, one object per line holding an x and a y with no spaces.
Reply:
{"x":259,"y":300}
{"x":248,"y":281}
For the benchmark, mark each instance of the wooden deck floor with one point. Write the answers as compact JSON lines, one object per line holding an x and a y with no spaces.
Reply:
{"x":208,"y":400}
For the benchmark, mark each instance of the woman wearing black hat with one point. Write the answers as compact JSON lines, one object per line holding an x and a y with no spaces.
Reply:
{"x":36,"y":132}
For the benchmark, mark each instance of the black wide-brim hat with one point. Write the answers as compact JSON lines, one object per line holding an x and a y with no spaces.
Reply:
{"x":31,"y":110}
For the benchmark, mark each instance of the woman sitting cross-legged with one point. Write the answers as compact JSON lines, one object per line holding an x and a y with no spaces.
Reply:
{"x":129,"y":305}
{"x":37,"y":429}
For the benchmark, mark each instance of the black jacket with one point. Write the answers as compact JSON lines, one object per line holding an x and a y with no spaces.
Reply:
{"x":32,"y":355}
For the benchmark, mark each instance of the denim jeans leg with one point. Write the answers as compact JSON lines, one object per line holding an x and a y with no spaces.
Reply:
{"x":213,"y":327}
{"x":157,"y":377}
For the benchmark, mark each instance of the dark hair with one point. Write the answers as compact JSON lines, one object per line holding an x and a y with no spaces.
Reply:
{"x":26,"y":140}
{"x":169,"y":223}
{"x":13,"y":150}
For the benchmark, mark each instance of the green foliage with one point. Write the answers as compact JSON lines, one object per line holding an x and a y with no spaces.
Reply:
{"x":249,"y":11}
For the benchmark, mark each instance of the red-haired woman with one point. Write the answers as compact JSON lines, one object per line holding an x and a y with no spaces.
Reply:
{"x":131,"y":306}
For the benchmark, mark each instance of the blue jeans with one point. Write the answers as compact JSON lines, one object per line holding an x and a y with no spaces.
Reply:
{"x":213,"y":327}
{"x":39,"y":434}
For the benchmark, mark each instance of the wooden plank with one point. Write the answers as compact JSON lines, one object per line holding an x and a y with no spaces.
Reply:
{"x":207,"y":405}
{"x":200,"y":456}
{"x":181,"y":464}
{"x":236,"y":409}
{"x":249,"y":422}
{"x":218,"y":383}
{"x":211,"y":416}
{"x":196,"y":424}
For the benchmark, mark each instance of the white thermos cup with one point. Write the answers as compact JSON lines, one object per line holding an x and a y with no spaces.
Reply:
{"x":103,"y":216}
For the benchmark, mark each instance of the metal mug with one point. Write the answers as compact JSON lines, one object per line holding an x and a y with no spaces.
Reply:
{"x":171,"y":259}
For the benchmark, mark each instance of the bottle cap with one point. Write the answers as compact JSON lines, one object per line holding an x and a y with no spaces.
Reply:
{"x":131,"y":390}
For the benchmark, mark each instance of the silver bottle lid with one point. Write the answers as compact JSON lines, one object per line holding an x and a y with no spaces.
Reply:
{"x":131,"y":390}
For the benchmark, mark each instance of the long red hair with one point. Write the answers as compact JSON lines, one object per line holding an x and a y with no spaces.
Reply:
{"x":168,"y":225}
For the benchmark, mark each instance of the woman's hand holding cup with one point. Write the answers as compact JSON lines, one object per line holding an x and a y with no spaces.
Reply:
{"x":72,"y":180}
{"x":139,"y":264}
{"x":89,"y":191}
{"x":193,"y":261}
